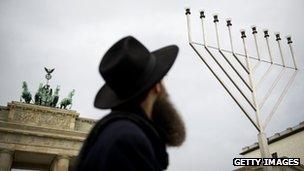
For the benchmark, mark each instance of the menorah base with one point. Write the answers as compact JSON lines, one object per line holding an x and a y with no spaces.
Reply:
{"x":264,"y":149}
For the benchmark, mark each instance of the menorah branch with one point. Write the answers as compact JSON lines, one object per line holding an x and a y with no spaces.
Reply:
{"x":226,"y":88}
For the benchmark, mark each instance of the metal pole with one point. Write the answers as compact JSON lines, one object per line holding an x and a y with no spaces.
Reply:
{"x":266,"y":35}
{"x":254,"y":32}
{"x":289,"y":42}
{"x":229,"y":24}
{"x":202,"y":17}
{"x":278,"y":39}
{"x":188,"y":24}
{"x":262,"y":139}
{"x":215,"y":20}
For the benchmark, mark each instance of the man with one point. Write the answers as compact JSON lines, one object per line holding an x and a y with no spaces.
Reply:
{"x":142,"y":122}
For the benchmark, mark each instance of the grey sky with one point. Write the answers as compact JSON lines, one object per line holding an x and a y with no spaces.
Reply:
{"x":73,"y":35}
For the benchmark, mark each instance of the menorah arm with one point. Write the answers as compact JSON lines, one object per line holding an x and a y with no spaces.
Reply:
{"x":226,"y":88}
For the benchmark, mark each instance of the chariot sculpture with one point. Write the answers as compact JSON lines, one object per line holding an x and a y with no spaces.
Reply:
{"x":44,"y":95}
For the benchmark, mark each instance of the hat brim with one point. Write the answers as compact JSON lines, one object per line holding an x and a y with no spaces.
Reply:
{"x":165,"y":57}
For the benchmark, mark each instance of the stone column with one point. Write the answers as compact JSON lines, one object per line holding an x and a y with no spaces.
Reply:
{"x":6,"y":158}
{"x":61,"y":163}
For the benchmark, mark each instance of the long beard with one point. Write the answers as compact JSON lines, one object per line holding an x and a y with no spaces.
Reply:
{"x":169,"y":121}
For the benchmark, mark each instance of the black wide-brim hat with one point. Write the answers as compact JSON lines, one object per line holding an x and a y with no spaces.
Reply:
{"x":130,"y":69}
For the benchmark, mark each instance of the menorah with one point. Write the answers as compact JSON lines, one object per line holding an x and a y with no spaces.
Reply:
{"x":246,"y":80}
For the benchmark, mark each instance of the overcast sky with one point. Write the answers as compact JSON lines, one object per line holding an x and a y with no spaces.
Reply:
{"x":72,"y":36}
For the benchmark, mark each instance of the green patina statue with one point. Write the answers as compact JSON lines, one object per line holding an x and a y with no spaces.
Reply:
{"x":55,"y":97}
{"x":38,"y":95}
{"x":67,"y":101}
{"x":45,"y":96}
{"x":26,"y":95}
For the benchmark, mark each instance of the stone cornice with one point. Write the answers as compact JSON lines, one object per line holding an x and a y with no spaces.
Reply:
{"x":33,"y":107}
{"x":16,"y":128}
{"x":30,"y":114}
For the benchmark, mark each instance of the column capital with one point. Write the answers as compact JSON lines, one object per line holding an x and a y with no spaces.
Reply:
{"x":61,"y":163}
{"x":63,"y":156}
{"x":4,"y":150}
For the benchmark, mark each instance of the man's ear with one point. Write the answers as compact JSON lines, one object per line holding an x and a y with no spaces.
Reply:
{"x":158,"y":88}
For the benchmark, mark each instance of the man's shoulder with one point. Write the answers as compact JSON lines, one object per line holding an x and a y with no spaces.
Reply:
{"x":122,"y":129}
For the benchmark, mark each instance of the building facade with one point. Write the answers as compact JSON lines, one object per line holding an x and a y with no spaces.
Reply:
{"x":39,"y":137}
{"x":286,"y":144}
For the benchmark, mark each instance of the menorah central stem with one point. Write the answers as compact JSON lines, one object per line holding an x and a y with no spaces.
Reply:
{"x":264,"y":148}
{"x":262,"y":139}
{"x":251,"y":84}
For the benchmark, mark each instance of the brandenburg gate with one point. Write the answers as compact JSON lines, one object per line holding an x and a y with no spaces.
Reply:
{"x":40,"y":137}
{"x":38,"y":134}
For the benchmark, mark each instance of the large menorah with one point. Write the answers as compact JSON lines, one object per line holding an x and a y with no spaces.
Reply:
{"x":247,"y":81}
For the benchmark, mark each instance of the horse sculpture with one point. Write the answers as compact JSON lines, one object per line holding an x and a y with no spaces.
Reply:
{"x":26,"y":95}
{"x":67,"y":101}
{"x":55,"y":97}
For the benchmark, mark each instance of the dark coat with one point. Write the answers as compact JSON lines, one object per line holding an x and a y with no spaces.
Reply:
{"x":126,"y":141}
